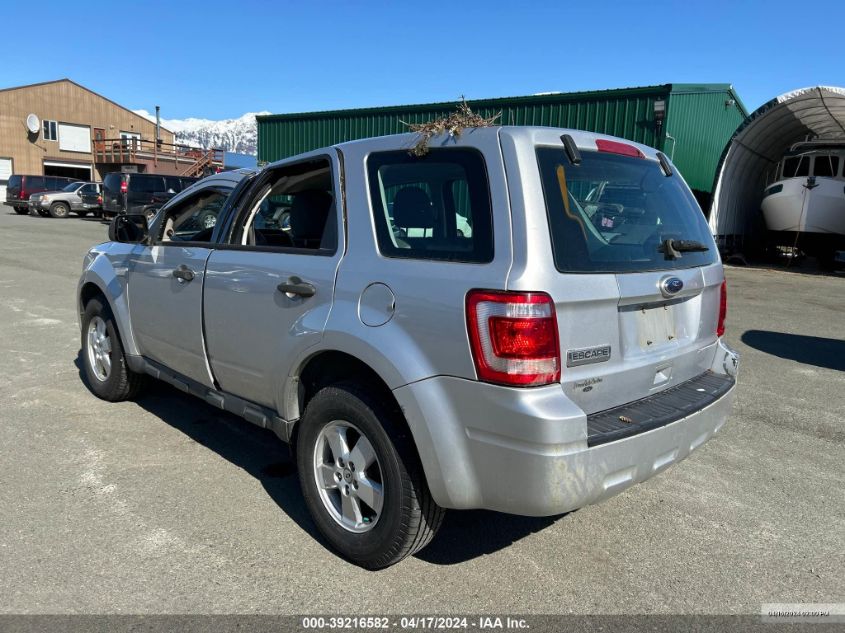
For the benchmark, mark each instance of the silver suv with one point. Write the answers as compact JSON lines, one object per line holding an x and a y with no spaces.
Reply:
{"x":59,"y":204}
{"x":523,"y":319}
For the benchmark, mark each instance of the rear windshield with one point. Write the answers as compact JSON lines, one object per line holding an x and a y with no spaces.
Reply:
{"x":14,"y":182}
{"x":611,"y":214}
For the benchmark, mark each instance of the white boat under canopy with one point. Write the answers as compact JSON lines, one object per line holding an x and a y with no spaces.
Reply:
{"x":808,"y":192}
{"x":758,"y":158}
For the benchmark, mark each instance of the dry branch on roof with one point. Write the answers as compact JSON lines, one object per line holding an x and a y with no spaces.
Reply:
{"x":452,"y":124}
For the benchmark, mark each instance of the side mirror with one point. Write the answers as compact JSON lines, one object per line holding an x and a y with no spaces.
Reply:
{"x":129,"y":229}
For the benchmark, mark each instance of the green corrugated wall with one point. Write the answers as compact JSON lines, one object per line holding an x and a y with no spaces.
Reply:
{"x":702,"y":123}
{"x":627,"y":113}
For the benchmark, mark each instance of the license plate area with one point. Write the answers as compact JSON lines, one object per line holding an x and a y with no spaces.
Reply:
{"x":655,"y":326}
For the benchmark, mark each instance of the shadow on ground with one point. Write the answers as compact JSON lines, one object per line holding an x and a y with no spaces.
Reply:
{"x":809,"y":350}
{"x":464,"y":535}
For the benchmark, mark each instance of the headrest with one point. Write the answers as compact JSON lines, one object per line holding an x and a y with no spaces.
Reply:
{"x":412,"y":209}
{"x":308,"y":214}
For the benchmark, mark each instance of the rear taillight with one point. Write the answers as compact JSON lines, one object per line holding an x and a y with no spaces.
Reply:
{"x":124,"y":187}
{"x":723,"y":309}
{"x":513,"y":337}
{"x":99,"y":199}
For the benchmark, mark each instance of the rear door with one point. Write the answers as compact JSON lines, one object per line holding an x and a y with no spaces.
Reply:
{"x":632,"y":319}
{"x":166,"y":285}
{"x":268,"y":292}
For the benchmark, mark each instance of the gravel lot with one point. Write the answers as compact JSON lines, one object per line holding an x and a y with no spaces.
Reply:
{"x":168,"y":505}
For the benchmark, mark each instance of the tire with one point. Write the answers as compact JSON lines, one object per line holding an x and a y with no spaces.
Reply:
{"x":59,"y":210}
{"x":408,"y":517}
{"x":118,"y":382}
{"x":21,"y":210}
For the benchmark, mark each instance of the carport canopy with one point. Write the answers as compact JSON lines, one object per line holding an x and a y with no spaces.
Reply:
{"x":750,"y":159}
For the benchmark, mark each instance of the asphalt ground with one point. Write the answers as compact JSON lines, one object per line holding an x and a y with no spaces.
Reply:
{"x":167,"y":505}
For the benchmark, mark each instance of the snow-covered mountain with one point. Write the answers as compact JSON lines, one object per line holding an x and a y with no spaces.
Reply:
{"x":233,"y":135}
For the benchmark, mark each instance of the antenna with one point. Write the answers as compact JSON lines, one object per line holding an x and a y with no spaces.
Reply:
{"x":33,"y":124}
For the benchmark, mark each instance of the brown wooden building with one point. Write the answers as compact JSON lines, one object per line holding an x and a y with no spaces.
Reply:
{"x":59,"y":128}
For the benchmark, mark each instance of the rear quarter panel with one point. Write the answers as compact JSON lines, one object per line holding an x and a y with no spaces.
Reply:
{"x":426,"y":335}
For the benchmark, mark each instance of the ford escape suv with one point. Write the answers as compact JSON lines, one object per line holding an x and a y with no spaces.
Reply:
{"x":526,"y":320}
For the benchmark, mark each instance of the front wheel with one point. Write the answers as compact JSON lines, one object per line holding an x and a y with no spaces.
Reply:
{"x":106,"y":371}
{"x":362,"y":479}
{"x":59,"y":210}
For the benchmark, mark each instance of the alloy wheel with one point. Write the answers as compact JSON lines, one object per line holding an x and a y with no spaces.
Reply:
{"x":348,"y":476}
{"x":99,"y":349}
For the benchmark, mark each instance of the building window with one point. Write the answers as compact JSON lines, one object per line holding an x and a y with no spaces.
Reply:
{"x":51,"y":132}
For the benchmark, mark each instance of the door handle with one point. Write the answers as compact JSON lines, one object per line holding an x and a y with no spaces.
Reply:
{"x":183,"y":274}
{"x":295,"y":286}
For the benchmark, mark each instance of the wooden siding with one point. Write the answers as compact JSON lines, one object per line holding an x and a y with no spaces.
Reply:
{"x":65,"y":102}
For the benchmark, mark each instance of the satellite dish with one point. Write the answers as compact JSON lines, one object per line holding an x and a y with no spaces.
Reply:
{"x":33,"y":124}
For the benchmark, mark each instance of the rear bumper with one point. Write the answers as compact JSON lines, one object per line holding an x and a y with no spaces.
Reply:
{"x":526,"y":451}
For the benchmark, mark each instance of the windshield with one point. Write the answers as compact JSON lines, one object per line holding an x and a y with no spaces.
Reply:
{"x":72,"y":186}
{"x":611,"y":214}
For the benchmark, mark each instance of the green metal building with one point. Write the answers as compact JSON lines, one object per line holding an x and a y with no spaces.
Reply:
{"x":691,"y":123}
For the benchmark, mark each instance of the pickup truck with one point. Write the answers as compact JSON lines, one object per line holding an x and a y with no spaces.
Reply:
{"x":474,"y":327}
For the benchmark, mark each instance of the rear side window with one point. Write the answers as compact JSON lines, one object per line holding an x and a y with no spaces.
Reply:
{"x":36,"y":182}
{"x":432,"y":207}
{"x":146,"y":184}
{"x":611,"y":214}
{"x":112,"y":182}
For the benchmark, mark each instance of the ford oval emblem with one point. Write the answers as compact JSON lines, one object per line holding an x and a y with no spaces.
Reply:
{"x":670,"y":286}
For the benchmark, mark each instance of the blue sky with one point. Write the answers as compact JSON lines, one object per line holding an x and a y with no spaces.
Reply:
{"x":218,"y":60}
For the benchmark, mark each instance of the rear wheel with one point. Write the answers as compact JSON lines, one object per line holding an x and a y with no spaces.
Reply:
{"x":106,"y":371}
{"x":59,"y":210}
{"x":362,"y":479}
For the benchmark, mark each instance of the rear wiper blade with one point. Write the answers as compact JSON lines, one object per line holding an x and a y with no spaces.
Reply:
{"x":673,"y":248}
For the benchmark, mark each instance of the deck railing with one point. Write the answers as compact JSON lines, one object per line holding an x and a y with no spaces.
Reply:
{"x":133,"y":150}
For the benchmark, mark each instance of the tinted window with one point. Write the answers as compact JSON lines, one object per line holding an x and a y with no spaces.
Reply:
{"x":611,"y":213}
{"x":173,"y":183}
{"x":71,"y":187}
{"x":112,"y":182}
{"x":826,"y":166}
{"x":432,"y":207}
{"x":796,"y":167}
{"x":146,"y":184}
{"x":194,"y":219}
{"x":14,"y":182}
{"x":88,"y":189}
{"x":36,"y":182}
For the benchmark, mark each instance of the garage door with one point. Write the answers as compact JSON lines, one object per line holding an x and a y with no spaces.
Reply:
{"x":67,"y":170}
{"x":5,"y":172}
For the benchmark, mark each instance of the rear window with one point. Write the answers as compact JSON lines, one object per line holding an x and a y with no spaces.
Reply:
{"x":14,"y":182}
{"x":611,"y":213}
{"x":432,"y":207}
{"x":146,"y":184}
